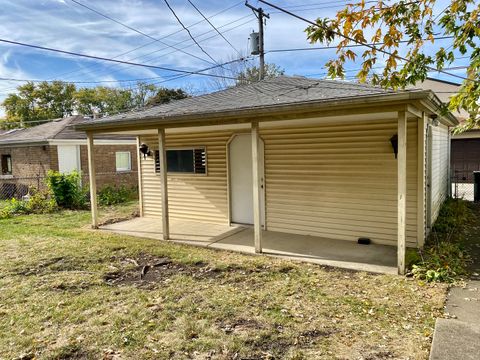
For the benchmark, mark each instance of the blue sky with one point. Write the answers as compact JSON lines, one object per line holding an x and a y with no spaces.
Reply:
{"x":65,"y":25}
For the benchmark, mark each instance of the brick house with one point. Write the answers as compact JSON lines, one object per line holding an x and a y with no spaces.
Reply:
{"x":26,"y":155}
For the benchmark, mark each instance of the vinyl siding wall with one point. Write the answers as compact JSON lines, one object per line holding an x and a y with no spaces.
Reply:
{"x":193,"y":197}
{"x":339,"y":181}
{"x":335,"y":181}
{"x":439,"y":168}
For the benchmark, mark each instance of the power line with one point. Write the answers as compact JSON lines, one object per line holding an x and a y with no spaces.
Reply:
{"x":138,"y":31}
{"x":347,"y":46}
{"x":173,"y":51}
{"x":107,"y":59}
{"x":80,"y":82}
{"x":189,"y":33}
{"x":213,"y":26}
{"x":358,"y":42}
{"x":152,"y":42}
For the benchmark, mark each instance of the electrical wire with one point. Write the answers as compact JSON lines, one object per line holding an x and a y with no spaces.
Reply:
{"x":139,"y":32}
{"x":347,"y":46}
{"x":152,"y":42}
{"x":188,"y":31}
{"x":213,"y":26}
{"x":106,"y":59}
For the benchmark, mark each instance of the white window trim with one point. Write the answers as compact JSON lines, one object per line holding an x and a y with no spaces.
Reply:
{"x":129,"y":161}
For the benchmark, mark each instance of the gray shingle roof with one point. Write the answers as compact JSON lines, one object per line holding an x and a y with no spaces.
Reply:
{"x":282,"y":90}
{"x":55,"y":129}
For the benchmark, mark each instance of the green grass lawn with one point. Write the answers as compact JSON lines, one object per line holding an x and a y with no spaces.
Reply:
{"x":67,"y":292}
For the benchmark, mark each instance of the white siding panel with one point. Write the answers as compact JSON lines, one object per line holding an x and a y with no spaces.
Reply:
{"x":439,"y":168}
{"x":338,"y":181}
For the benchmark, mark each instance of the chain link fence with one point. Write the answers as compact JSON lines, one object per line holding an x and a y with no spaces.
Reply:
{"x":18,"y":187}
{"x":462,"y":184}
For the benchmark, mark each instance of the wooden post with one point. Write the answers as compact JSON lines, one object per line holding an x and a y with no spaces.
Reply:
{"x":402,"y":189}
{"x":93,"y":180}
{"x":139,"y":172}
{"x":164,"y":183}
{"x":421,"y":190}
{"x":257,"y":193}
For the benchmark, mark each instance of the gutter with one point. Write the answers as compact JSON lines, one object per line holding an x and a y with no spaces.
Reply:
{"x":255,"y":112}
{"x":22,"y":143}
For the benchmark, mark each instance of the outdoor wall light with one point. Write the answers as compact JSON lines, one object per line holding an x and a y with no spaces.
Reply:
{"x":394,"y":142}
{"x":145,"y":150}
{"x":434,"y":118}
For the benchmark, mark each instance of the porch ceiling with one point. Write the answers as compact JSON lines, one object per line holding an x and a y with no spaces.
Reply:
{"x":343,"y":254}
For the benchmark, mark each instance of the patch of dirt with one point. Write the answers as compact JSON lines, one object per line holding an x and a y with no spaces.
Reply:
{"x":73,"y":288}
{"x":148,"y":271}
{"x":239,"y":325}
{"x":114,"y":220}
{"x":379,"y":355}
{"x":310,"y":336}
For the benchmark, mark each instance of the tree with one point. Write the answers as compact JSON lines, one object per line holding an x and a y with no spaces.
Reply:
{"x":252,"y":73}
{"x":102,"y":100}
{"x":165,"y":95}
{"x":238,"y":73}
{"x":403,"y":34}
{"x":36,"y":102}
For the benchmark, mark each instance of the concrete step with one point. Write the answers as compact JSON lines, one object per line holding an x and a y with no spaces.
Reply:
{"x":455,"y":339}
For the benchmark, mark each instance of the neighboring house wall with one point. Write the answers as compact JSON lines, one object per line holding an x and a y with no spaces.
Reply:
{"x":30,"y":165}
{"x":439,"y":183}
{"x":105,"y":165}
{"x":465,"y":159}
{"x":30,"y":161}
{"x":336,"y":181}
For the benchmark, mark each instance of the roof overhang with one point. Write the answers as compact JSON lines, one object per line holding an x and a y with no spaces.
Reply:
{"x":424,"y":101}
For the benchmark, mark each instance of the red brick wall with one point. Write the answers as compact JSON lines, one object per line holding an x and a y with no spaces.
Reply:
{"x":105,"y":166}
{"x":30,"y":165}
{"x":30,"y":161}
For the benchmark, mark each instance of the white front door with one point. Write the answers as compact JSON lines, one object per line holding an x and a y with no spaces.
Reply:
{"x":68,"y":158}
{"x":240,"y":179}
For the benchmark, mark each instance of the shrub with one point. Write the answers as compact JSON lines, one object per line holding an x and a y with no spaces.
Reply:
{"x":67,"y":190}
{"x":111,"y":195}
{"x":443,"y":257}
{"x":37,"y":203}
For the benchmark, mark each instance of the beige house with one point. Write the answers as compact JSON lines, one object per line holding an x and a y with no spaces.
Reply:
{"x":313,"y":158}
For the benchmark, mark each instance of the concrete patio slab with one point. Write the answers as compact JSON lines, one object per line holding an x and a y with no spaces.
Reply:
{"x":322,"y":251}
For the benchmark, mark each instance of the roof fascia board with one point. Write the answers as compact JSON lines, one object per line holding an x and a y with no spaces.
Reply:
{"x":96,"y":141}
{"x":23,"y":143}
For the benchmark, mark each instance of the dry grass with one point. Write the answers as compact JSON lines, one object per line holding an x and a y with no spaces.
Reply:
{"x":67,"y":292}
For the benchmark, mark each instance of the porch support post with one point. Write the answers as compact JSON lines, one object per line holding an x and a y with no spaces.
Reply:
{"x":257,"y":219}
{"x":402,"y":190}
{"x":164,"y":183}
{"x":92,"y":180}
{"x":421,"y":174}
{"x":140,"y":182}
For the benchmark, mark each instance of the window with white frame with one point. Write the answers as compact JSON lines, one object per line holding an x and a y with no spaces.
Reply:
{"x":123,"y":161}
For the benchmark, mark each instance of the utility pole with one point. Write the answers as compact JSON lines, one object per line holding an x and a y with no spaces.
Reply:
{"x":260,"y":16}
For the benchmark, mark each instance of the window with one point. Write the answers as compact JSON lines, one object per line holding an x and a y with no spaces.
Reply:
{"x":187,"y":161}
{"x":6,"y":164}
{"x":123,"y":161}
